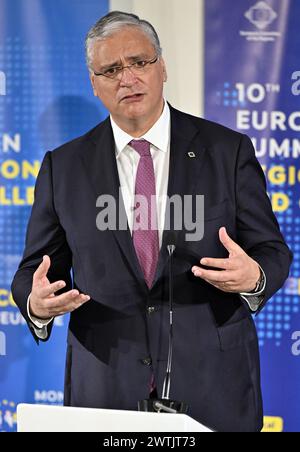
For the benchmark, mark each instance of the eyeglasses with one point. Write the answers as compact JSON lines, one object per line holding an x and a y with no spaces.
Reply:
{"x":137,"y":68}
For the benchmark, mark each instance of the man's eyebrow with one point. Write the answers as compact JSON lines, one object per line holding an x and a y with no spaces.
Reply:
{"x":107,"y":66}
{"x":138,"y":57}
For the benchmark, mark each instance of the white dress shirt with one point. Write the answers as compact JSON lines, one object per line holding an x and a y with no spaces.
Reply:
{"x":159,"y":137}
{"x":128,"y":159}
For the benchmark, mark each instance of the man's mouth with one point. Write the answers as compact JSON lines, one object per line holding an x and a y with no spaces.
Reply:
{"x":132,"y":97}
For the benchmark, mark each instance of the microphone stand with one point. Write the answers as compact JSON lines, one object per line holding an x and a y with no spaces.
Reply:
{"x":165,"y":405}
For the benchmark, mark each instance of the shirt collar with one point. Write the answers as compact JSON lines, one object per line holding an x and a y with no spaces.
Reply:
{"x":158,"y":135}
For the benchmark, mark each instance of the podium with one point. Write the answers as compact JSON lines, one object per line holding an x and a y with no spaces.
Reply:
{"x":43,"y":418}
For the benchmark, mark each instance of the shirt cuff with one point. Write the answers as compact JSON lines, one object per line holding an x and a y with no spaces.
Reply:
{"x":39,"y":325}
{"x":255,"y":299}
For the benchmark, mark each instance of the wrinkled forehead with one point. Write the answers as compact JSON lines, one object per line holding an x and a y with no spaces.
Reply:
{"x":123,"y":46}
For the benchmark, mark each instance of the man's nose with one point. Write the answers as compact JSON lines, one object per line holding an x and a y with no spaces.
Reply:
{"x":128,"y":78}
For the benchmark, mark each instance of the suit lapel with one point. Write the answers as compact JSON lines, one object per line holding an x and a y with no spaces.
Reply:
{"x":101,"y":165}
{"x":186,"y":159}
{"x":187,"y":153}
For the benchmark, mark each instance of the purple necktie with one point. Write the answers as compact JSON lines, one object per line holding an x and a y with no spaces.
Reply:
{"x":145,"y":233}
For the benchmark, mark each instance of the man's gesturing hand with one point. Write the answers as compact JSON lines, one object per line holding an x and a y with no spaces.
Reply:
{"x":44,"y":304}
{"x":239,"y":272}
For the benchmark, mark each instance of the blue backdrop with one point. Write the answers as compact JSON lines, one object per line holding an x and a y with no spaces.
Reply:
{"x":253,"y":85}
{"x":45,"y":100}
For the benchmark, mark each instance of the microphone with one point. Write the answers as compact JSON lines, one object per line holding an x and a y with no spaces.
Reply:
{"x":164,"y":404}
{"x":167,"y":382}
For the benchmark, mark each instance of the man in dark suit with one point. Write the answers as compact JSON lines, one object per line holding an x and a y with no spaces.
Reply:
{"x":118,"y":292}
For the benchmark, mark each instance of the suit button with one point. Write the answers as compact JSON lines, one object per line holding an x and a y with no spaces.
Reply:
{"x":150,"y":309}
{"x":147,"y":361}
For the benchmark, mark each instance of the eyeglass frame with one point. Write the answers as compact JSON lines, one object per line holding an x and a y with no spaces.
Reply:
{"x":121,"y":68}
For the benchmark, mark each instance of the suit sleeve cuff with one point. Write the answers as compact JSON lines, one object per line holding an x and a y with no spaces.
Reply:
{"x":39,"y":325}
{"x":255,"y":299}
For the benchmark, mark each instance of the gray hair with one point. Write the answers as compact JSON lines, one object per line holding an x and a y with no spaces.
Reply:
{"x":112,"y":23}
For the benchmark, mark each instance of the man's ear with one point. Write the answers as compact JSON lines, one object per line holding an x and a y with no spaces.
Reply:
{"x":165,"y":74}
{"x":92,"y":79}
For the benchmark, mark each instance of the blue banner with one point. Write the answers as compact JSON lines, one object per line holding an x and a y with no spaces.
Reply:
{"x":45,"y":100}
{"x":252,"y":72}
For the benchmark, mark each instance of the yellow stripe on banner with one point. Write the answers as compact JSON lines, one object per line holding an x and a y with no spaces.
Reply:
{"x":273,"y":425}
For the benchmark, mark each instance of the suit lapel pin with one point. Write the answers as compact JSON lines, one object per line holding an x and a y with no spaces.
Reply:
{"x":192,"y":155}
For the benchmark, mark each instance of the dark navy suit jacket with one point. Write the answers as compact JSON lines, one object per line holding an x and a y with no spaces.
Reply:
{"x":115,"y":341}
